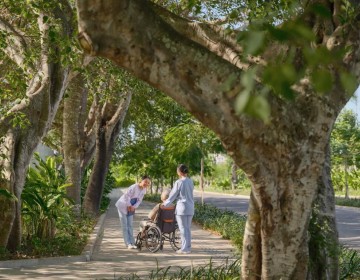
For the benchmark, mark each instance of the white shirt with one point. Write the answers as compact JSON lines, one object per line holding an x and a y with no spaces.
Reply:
{"x":134,"y":191}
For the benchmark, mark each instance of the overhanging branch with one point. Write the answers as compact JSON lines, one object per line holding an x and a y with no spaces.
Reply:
{"x":15,"y":43}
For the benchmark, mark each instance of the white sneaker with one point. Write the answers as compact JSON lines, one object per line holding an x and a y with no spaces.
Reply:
{"x":131,"y":246}
{"x":182,"y":252}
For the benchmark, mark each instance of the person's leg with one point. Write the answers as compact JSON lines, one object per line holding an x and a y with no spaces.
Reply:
{"x":130,"y":220}
{"x":187,"y":232}
{"x":180,"y":222}
{"x":124,"y":227}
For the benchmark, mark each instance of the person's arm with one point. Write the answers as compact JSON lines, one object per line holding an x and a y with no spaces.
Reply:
{"x":173,"y":194}
{"x":140,"y":199}
{"x":154,"y":212}
{"x":129,"y":194}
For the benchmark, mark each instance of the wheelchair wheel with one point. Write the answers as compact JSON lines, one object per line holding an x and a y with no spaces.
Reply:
{"x":138,"y":241}
{"x":153,"y":239}
{"x":175,"y":239}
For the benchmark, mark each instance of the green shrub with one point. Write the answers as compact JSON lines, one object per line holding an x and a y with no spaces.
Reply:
{"x":227,"y":223}
{"x":155,"y":197}
{"x":352,"y":202}
{"x":223,"y":184}
{"x":70,"y":239}
{"x":230,"y":270}
{"x":349,"y":262}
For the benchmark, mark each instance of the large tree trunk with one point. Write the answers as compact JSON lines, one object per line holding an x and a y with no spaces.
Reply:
{"x":73,"y":134}
{"x":284,"y":159}
{"x":109,"y":123}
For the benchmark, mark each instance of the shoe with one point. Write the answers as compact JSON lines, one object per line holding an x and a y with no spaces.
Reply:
{"x":182,"y":252}
{"x":131,"y":246}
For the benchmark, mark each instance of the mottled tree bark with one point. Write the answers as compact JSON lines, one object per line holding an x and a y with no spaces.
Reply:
{"x":73,"y":137}
{"x":284,"y":159}
{"x":109,"y":120}
{"x":323,"y":244}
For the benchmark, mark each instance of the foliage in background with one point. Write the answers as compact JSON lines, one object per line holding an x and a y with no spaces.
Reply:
{"x":351,"y":202}
{"x":345,"y":152}
{"x":44,"y":198}
{"x":221,"y":175}
{"x":158,"y":135}
{"x":190,"y":142}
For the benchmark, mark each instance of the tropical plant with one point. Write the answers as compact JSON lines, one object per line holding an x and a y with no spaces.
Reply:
{"x":44,"y":198}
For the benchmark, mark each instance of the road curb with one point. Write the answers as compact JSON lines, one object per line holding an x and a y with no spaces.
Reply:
{"x":85,"y":256}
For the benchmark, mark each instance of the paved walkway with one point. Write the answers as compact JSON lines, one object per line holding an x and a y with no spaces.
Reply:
{"x":112,"y":260}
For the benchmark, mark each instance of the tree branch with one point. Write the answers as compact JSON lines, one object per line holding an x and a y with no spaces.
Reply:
{"x":199,"y":72}
{"x":16,"y":44}
{"x":212,"y":37}
{"x":121,"y":109}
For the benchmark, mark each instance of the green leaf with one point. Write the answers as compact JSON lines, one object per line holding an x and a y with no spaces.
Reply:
{"x":242,"y":100}
{"x":258,"y":107}
{"x":322,"y":80}
{"x":302,"y":32}
{"x":281,"y":82}
{"x":321,"y":10}
{"x":229,"y":83}
{"x":248,"y":78}
{"x":349,"y":82}
{"x":255,"y":42}
{"x":8,"y":194}
{"x":279,"y":34}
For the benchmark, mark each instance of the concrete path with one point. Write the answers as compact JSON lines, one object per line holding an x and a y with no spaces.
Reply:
{"x":112,"y":260}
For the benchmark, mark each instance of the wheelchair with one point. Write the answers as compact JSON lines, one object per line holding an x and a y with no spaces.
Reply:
{"x":155,"y":234}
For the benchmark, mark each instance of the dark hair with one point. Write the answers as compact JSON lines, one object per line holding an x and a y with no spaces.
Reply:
{"x":145,"y":177}
{"x":183,"y":168}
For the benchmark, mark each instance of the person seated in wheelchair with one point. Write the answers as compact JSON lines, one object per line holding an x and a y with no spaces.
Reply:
{"x":154,"y":213}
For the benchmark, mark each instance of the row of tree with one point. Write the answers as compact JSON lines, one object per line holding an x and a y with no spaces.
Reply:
{"x":50,"y":91}
{"x":77,"y":105}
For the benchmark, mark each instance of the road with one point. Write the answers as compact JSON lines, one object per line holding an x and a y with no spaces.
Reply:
{"x":348,"y":218}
